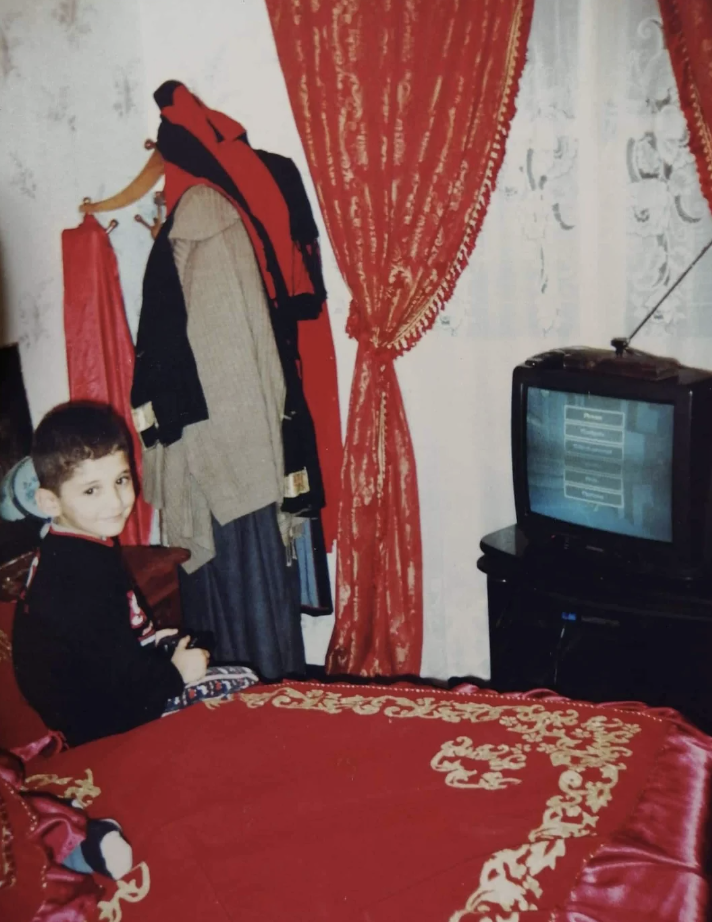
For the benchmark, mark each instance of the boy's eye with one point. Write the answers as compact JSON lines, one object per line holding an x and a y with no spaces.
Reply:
{"x":124,"y":479}
{"x":90,"y":491}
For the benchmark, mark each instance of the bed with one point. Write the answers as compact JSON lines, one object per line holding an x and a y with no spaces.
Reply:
{"x":367,"y":803}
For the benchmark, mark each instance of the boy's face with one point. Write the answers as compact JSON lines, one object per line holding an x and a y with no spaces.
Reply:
{"x":96,"y":500}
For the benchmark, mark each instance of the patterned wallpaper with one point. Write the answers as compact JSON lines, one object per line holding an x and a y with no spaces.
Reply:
{"x":72,"y":119}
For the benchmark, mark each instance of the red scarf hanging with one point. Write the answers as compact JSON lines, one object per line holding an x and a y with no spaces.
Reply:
{"x":265,"y":201}
{"x":251,"y":176}
{"x":100,"y":352}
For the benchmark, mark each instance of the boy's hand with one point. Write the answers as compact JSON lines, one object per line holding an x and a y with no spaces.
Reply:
{"x":192,"y":664}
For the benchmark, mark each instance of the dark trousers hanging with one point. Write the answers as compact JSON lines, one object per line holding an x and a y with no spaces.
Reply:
{"x":248,"y":597}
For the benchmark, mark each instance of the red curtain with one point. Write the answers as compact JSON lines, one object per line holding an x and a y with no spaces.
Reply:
{"x":100,"y":352}
{"x":403,"y":107}
{"x":687,"y":25}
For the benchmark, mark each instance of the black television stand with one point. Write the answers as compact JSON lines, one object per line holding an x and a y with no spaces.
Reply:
{"x":589,"y":629}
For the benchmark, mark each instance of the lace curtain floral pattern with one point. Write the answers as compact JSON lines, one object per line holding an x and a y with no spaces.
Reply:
{"x":538,"y":182}
{"x":668,"y":218}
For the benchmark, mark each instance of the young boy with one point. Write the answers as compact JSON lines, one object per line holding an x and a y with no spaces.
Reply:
{"x":84,"y":650}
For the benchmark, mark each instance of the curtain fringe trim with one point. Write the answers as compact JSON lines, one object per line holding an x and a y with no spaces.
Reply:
{"x":700,"y":134}
{"x":515,"y":63}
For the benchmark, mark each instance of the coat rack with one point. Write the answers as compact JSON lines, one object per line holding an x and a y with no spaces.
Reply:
{"x":136,"y":189}
{"x":160,"y":202}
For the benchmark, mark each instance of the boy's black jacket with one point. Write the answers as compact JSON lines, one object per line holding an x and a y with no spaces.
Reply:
{"x":77,"y":658}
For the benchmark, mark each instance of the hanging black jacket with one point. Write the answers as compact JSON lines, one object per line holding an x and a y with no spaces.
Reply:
{"x":165,"y":373}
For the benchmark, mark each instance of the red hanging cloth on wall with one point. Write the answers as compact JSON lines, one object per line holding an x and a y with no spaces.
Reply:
{"x":403,"y":110}
{"x":100,"y":352}
{"x":688,"y":35}
{"x":316,"y":347}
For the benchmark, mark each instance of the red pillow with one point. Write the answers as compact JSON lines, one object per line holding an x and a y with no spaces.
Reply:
{"x":19,"y":723}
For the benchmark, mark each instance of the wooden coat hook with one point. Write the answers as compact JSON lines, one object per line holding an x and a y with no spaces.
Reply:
{"x":110,"y":226}
{"x":136,"y":189}
{"x":155,"y":225}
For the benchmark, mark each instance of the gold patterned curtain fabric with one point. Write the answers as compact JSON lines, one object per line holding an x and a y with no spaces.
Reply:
{"x":403,"y":107}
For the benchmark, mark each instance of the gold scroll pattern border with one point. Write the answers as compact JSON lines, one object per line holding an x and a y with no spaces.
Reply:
{"x":453,"y":755}
{"x":590,"y":752}
{"x":82,"y":792}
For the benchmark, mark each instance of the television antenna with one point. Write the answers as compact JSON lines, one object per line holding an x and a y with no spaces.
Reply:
{"x":621,"y":343}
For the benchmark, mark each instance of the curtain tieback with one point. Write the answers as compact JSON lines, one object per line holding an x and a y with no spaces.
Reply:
{"x":380,"y":358}
{"x":383,"y":355}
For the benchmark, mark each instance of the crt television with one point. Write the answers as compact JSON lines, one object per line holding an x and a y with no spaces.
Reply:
{"x":612,"y":456}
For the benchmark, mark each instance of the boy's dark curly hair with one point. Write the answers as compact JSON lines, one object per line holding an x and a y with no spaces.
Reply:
{"x":72,"y":433}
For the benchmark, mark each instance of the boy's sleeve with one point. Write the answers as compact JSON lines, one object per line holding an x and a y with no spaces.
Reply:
{"x":132,"y":683}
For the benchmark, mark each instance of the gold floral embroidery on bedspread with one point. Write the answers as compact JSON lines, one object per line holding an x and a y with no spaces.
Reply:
{"x":132,"y":889}
{"x":213,"y":704}
{"x":500,"y":758}
{"x":591,"y":753}
{"x":83,"y":791}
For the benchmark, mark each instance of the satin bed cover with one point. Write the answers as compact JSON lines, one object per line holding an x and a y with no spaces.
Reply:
{"x":377,"y":804}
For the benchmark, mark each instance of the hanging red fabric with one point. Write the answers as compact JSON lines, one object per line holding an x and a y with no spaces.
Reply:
{"x":403,"y":110}
{"x":241,"y":163}
{"x":688,"y":35}
{"x":319,"y":378}
{"x":100,"y":352}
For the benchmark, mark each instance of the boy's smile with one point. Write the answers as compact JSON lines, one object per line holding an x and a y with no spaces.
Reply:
{"x":97,"y":499}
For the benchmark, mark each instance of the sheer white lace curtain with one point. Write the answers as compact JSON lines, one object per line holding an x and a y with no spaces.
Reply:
{"x":597,"y":210}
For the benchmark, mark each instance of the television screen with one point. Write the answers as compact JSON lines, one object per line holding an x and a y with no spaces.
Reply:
{"x":601,"y":462}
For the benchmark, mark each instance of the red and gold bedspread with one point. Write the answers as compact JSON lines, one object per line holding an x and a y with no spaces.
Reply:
{"x":342,"y":803}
